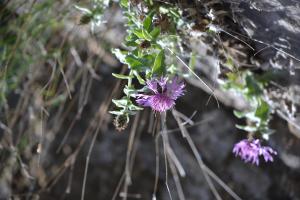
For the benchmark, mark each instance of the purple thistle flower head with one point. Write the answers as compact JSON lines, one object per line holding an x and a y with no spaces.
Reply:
{"x":163,"y":94}
{"x":249,"y":151}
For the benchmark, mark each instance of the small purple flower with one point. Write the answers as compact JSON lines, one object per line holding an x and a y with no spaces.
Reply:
{"x":163,"y":95}
{"x":249,"y":151}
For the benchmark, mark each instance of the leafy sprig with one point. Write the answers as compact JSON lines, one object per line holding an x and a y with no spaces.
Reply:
{"x":144,"y":53}
{"x":251,"y":88}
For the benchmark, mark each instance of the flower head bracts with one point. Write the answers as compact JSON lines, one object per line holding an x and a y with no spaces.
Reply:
{"x":249,"y":151}
{"x":163,"y":94}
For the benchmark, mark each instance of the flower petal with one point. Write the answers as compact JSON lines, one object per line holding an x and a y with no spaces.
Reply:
{"x":143,"y":100}
{"x":175,"y":88}
{"x":161,"y":103}
{"x":152,"y":85}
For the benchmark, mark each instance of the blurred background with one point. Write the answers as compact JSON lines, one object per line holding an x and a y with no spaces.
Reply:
{"x":56,"y":89}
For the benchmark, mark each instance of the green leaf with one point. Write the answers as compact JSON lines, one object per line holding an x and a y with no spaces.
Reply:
{"x":133,"y":107}
{"x":122,"y":76}
{"x":130,"y":40}
{"x":139,"y":33}
{"x":239,"y":114}
{"x":131,"y":43}
{"x":252,"y":86}
{"x":142,"y":34}
{"x":83,"y":10}
{"x":134,"y":62}
{"x":149,"y":59}
{"x":121,"y":55}
{"x":124,"y":3}
{"x":122,"y":103}
{"x":146,"y":35}
{"x":158,"y":66}
{"x":147,"y":22}
{"x":129,"y":91}
{"x":262,"y":111}
{"x":131,"y":37}
{"x":155,"y":33}
{"x":116,"y":112}
{"x":175,"y":13}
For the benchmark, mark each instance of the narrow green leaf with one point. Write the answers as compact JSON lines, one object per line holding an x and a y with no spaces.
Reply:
{"x":146,"y":35}
{"x":239,"y":114}
{"x":175,"y":13}
{"x":83,"y":10}
{"x":133,"y":107}
{"x":147,"y":23}
{"x":158,"y":66}
{"x":116,"y":112}
{"x":139,"y":33}
{"x":155,"y":33}
{"x":122,"y":103}
{"x":122,"y":76}
{"x":121,"y":55}
{"x":124,"y":3}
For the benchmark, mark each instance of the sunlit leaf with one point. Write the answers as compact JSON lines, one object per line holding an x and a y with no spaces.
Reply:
{"x":155,"y":33}
{"x":158,"y":66}
{"x":116,"y":112}
{"x":121,"y":55}
{"x":83,"y":10}
{"x":139,"y":33}
{"x":122,"y":76}
{"x":124,"y":3}
{"x":147,"y":22}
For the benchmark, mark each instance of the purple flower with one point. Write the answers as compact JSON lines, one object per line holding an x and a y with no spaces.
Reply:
{"x":249,"y":151}
{"x":163,"y":95}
